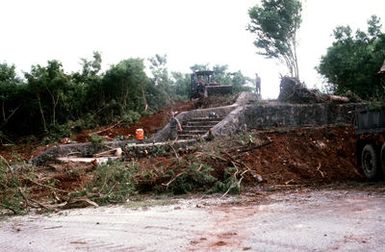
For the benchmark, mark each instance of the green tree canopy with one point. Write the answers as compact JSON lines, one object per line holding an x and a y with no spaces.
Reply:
{"x":51,"y":103}
{"x":8,"y":90}
{"x":49,"y":84}
{"x":162,"y":91}
{"x":276,"y":22}
{"x":353,"y":61}
{"x":125,"y":84}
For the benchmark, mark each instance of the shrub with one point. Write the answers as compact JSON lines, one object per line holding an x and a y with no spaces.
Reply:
{"x":112,"y":182}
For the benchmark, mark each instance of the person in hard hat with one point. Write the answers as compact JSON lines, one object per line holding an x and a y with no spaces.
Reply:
{"x":175,"y":126}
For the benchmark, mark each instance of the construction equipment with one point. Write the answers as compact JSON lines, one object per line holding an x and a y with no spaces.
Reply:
{"x":203,"y":85}
{"x":370,"y":141}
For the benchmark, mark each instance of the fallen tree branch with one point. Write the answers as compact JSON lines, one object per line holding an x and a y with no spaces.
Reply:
{"x":9,"y":208}
{"x":10,"y":116}
{"x":176,"y":154}
{"x":115,"y":151}
{"x":240,"y":151}
{"x":46,"y":186}
{"x":173,"y":179}
{"x":228,"y":190}
{"x":219,"y":158}
{"x":111,"y":127}
{"x":73,"y":153}
{"x":319,"y":170}
{"x":233,"y":160}
{"x":73,"y":202}
{"x":235,"y":178}
{"x":28,"y":201}
{"x":232,"y":185}
{"x":6,"y":163}
{"x":178,"y":175}
{"x":289,"y":181}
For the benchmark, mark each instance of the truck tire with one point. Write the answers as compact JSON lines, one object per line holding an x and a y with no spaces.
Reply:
{"x":382,"y":158}
{"x":369,"y":162}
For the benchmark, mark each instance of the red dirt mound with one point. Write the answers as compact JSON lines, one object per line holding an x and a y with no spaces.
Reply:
{"x":306,"y":155}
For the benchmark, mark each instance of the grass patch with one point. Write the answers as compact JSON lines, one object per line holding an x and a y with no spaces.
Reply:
{"x":11,"y":198}
{"x":111,"y":183}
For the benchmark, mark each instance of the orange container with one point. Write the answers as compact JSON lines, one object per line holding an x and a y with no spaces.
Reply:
{"x":139,"y":134}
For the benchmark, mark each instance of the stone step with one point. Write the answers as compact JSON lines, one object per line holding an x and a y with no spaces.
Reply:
{"x":202,"y":123}
{"x":194,"y":132}
{"x":187,"y":136}
{"x":205,"y":119}
{"x":197,"y":127}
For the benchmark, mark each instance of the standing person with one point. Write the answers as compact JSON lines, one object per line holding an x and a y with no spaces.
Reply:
{"x":175,"y":126}
{"x":258,"y":85}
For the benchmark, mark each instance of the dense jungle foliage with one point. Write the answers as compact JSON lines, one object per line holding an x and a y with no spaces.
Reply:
{"x":49,"y":102}
{"x":352,"y":63}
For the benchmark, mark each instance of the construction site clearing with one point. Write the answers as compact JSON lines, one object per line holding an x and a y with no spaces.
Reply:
{"x":278,"y":157}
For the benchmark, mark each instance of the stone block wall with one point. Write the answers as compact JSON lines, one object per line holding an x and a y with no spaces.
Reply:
{"x":273,"y":114}
{"x":296,"y":115}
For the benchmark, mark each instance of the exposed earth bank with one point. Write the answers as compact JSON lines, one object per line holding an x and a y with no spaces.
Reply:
{"x":255,"y":158}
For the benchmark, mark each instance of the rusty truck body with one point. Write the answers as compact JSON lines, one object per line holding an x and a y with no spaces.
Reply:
{"x":370,"y":141}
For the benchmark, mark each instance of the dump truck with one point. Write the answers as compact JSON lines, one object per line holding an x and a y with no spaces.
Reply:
{"x":203,"y":84}
{"x":370,"y":141}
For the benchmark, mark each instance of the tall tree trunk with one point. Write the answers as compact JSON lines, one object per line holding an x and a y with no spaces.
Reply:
{"x":3,"y":110}
{"x":295,"y":57}
{"x":54,"y":106}
{"x":6,"y":119}
{"x":42,"y":113}
{"x":55,"y":102}
{"x":144,"y":99}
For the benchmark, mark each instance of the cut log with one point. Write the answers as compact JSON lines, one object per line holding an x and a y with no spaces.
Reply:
{"x":117,"y":152}
{"x":339,"y":99}
{"x":97,"y":161}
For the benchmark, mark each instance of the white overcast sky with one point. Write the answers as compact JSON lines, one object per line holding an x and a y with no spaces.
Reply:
{"x":188,"y":31}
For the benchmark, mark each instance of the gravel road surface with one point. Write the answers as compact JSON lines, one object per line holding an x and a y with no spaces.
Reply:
{"x":310,"y":220}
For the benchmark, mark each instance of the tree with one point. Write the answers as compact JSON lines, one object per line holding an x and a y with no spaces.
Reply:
{"x":163,"y":91}
{"x":181,"y":85}
{"x":353,"y":61}
{"x":88,"y":85}
{"x":124,"y":85}
{"x":92,"y":67}
{"x":8,"y":90}
{"x":276,"y":23}
{"x":49,"y":85}
{"x":198,"y":67}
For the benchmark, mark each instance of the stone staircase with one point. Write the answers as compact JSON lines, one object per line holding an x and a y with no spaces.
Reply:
{"x":196,"y":127}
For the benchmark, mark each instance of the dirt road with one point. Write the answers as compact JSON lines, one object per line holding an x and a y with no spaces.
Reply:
{"x":310,"y":220}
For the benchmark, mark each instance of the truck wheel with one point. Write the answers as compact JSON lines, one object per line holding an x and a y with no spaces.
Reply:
{"x":369,"y":162}
{"x":382,"y":156}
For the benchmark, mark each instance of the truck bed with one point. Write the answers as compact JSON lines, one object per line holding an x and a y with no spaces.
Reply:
{"x":370,"y":121}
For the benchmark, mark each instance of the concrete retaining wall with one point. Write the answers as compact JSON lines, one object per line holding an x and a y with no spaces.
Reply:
{"x":295,"y":115}
{"x":273,"y":114}
{"x":249,"y":113}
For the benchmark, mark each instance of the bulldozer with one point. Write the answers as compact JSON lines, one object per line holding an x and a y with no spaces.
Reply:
{"x":203,"y":85}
